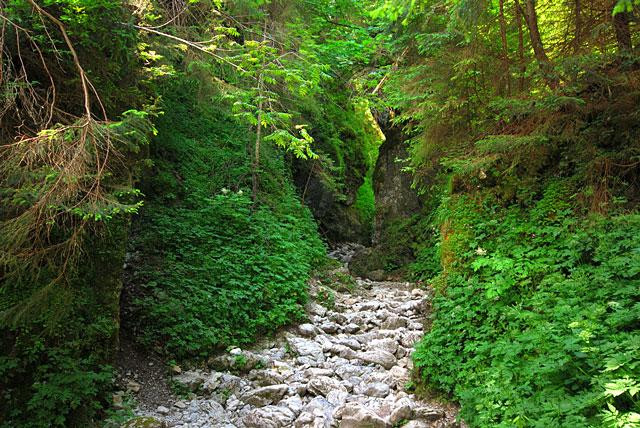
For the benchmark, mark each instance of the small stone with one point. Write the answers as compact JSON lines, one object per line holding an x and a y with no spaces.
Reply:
{"x":162,"y":410}
{"x":351,"y":328}
{"x":266,"y":395}
{"x":401,"y":410}
{"x":180,"y":404}
{"x":176,"y":370}
{"x":117,"y":400}
{"x":428,"y":413}
{"x":380,"y":357}
{"x":307,"y":330}
{"x":133,"y":386}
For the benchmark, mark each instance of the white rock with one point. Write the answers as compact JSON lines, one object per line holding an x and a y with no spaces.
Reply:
{"x":294,"y":403}
{"x":180,"y":404}
{"x":380,"y":357}
{"x":337,"y":396}
{"x":307,"y":330}
{"x":428,"y":413}
{"x":269,"y":417}
{"x":191,"y":380}
{"x":402,"y":409}
{"x":265,"y":395}
{"x":393,"y":323}
{"x":354,"y":415}
{"x":376,"y":389}
{"x":386,"y":344}
{"x":316,"y":309}
{"x":322,"y":385}
{"x":329,"y":327}
{"x":305,"y":347}
{"x":351,"y":328}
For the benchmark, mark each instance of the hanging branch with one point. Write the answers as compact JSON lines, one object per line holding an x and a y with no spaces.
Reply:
{"x":189,"y":43}
{"x":55,"y":179}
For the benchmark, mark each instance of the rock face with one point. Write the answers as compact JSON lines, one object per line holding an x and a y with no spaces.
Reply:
{"x":334,"y":210}
{"x":392,"y":186}
{"x":396,"y":203}
{"x":351,"y":374}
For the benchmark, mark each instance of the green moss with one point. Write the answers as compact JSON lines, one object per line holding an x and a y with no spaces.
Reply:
{"x":366,"y":202}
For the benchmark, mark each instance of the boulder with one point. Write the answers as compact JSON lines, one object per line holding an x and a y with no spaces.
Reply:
{"x":354,"y":415}
{"x":307,"y":330}
{"x":380,"y":357}
{"x":386,"y":344}
{"x":305,"y":347}
{"x":266,"y":395}
{"x":393,"y":322}
{"x":402,"y":410}
{"x":191,"y":380}
{"x":322,"y":385}
{"x":269,"y":417}
{"x":376,"y":389}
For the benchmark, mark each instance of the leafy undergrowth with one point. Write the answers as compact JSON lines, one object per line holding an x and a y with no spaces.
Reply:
{"x":212,"y":268}
{"x":537,"y":318}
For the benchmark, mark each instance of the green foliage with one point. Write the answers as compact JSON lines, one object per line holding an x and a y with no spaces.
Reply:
{"x":366,"y":201}
{"x":58,"y":373}
{"x":536,"y":324}
{"x":216,"y":270}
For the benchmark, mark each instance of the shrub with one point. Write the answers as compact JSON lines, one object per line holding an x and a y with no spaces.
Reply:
{"x":537,"y":324}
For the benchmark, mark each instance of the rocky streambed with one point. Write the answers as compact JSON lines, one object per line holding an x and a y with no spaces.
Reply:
{"x":347,"y":367}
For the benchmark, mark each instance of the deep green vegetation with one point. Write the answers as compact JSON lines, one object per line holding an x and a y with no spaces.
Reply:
{"x":526,"y":147}
{"x":192,"y":143}
{"x":209,"y":269}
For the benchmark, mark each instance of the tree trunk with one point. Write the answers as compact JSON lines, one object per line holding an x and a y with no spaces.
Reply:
{"x":505,"y":51}
{"x":256,"y":154}
{"x":577,"y":35}
{"x":531,"y":17}
{"x":523,"y":69}
{"x":623,"y":33}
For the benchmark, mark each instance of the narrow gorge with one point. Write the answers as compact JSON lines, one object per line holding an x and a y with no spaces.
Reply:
{"x":319,"y":213}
